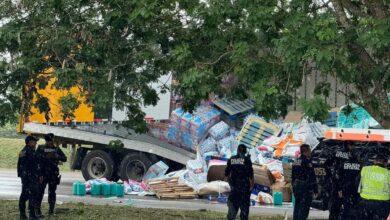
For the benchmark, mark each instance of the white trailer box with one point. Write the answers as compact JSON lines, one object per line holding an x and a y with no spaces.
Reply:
{"x":157,"y":112}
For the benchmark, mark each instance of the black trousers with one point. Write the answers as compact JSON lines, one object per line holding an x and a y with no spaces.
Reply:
{"x":52,"y":183}
{"x":30,"y":191}
{"x":303,"y":199}
{"x":302,"y":206}
{"x":374,"y":210}
{"x":350,"y":203}
{"x":236,"y":203}
{"x":335,"y":206}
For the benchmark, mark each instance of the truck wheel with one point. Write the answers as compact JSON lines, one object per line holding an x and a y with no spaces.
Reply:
{"x":134,"y":166}
{"x":97,"y":164}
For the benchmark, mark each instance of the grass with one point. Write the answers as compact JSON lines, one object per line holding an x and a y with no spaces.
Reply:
{"x":10,"y":145}
{"x":9,"y":210}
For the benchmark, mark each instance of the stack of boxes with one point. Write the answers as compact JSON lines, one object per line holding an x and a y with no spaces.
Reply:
{"x":187,"y":130}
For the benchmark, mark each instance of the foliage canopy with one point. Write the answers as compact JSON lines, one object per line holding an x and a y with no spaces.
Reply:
{"x":114,"y":49}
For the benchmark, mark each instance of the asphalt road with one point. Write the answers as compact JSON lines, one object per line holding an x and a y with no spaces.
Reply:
{"x":10,"y":188}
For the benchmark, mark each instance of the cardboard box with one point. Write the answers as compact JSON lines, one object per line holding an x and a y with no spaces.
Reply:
{"x":285,"y":188}
{"x":216,"y":172}
{"x":263,"y":176}
{"x":287,"y":172}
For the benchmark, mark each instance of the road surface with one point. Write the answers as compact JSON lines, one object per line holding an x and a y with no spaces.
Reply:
{"x":10,"y":188}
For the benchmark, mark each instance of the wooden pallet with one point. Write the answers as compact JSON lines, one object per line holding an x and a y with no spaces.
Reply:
{"x":171,"y":189}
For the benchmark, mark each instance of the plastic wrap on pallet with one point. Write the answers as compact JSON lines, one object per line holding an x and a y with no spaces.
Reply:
{"x":227,"y":146}
{"x":187,"y":141}
{"x":219,"y":131}
{"x":192,"y":179}
{"x":185,"y":122}
{"x":172,"y":134}
{"x":197,"y":126}
{"x":195,"y":166}
{"x":208,"y":145}
{"x":309,"y":132}
{"x":264,"y":158}
{"x":228,"y":143}
{"x":212,"y":116}
{"x":176,"y":115}
{"x":156,"y":170}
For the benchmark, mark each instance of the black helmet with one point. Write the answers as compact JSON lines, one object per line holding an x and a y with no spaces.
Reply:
{"x":30,"y":138}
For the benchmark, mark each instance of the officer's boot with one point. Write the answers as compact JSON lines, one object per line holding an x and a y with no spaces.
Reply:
{"x":51,"y":208}
{"x":32,"y":214}
{"x":38,"y":213}
{"x":22,"y":210}
{"x":23,"y":215}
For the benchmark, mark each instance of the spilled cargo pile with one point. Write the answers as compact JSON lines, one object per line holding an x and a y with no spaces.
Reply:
{"x":272,"y":147}
{"x":214,"y":136}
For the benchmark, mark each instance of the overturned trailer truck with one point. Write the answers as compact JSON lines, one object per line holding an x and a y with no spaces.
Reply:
{"x":90,"y":140}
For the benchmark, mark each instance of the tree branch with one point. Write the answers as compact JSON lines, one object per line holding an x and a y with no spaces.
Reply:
{"x":377,"y":9}
{"x":354,"y":9}
{"x":219,"y":58}
{"x":340,"y":14}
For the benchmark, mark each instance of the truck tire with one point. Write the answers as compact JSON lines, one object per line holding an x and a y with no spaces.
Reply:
{"x":97,"y":164}
{"x":134,"y":166}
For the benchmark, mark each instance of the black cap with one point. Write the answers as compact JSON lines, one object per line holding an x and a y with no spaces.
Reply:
{"x":30,"y":138}
{"x":49,"y":137}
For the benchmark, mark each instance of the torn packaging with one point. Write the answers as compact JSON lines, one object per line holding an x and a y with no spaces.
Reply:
{"x":263,"y":176}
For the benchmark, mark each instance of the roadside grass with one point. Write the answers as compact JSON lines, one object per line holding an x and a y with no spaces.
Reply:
{"x":9,"y":210}
{"x":10,"y":148}
{"x":9,"y":131}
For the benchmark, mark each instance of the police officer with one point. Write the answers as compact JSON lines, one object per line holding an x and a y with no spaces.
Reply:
{"x":304,"y":183}
{"x":348,"y":173}
{"x":239,"y":172}
{"x":49,"y":157}
{"x":374,"y":189}
{"x":29,"y":173}
{"x":347,"y":169}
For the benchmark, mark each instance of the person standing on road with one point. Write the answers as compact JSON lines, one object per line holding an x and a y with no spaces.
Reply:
{"x":304,"y":183}
{"x":28,"y":171}
{"x":342,"y":156}
{"x":49,"y":157}
{"x":374,"y":189}
{"x":239,"y":172}
{"x":348,"y":170}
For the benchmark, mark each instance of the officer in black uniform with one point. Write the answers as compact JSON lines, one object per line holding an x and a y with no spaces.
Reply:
{"x":29,"y":173}
{"x":239,"y":172}
{"x":304,"y":183}
{"x":347,"y":171}
{"x":335,"y":199}
{"x":49,"y":157}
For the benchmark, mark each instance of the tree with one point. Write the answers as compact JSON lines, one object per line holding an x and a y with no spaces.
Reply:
{"x":111,"y":49}
{"x":246,"y":49}
{"x":262,"y":49}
